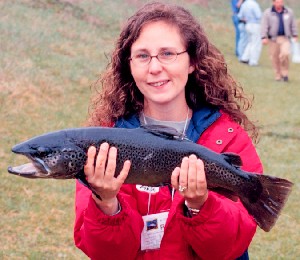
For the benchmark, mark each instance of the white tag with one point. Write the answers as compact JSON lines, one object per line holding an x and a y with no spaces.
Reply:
{"x":153,"y":230}
{"x":147,"y":189}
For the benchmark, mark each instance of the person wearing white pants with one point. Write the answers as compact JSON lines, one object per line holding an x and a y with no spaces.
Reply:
{"x":251,"y":13}
{"x":254,"y":46}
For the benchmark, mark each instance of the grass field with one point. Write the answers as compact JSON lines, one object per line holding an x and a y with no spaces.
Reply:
{"x":51,"y":51}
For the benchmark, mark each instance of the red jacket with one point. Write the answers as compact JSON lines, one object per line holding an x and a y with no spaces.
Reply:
{"x":222,"y":230}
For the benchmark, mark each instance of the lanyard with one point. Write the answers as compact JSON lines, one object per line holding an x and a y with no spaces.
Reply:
{"x":172,"y":191}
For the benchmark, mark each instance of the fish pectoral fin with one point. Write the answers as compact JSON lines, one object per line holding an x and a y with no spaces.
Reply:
{"x":233,"y":159}
{"x":164,"y":131}
{"x":82,"y":179}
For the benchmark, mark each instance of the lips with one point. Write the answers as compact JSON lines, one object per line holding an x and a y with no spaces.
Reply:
{"x":158,"y":83}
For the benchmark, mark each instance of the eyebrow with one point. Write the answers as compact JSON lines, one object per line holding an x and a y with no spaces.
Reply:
{"x":161,"y":49}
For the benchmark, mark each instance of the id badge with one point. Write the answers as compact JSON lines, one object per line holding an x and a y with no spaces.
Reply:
{"x":153,"y":231}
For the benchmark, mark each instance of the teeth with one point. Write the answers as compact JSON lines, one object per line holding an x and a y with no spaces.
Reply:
{"x":157,"y":84}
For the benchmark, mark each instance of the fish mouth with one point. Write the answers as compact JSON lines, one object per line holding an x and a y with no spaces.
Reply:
{"x":37,"y":168}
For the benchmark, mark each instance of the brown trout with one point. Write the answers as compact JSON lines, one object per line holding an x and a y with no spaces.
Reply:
{"x":154,"y":153}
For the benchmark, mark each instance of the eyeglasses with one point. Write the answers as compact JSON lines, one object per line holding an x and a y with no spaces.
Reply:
{"x":165,"y":57}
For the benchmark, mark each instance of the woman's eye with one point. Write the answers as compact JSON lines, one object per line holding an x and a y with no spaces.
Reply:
{"x":142,"y":56}
{"x":167,"y":54}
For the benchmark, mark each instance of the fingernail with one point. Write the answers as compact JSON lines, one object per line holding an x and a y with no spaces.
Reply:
{"x":92,"y":148}
{"x":104,"y":146}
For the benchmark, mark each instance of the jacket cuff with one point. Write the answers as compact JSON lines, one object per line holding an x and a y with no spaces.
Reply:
{"x":205,"y":212}
{"x":93,"y":213}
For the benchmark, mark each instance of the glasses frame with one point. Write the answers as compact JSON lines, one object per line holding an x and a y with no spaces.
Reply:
{"x":157,"y":57}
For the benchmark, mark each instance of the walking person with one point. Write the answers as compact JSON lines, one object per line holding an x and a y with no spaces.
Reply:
{"x":250,"y":12}
{"x":279,"y":26}
{"x":164,"y":71}
{"x":235,"y":7}
{"x":243,"y":37}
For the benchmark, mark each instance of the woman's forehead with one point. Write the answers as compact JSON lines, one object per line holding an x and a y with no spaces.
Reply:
{"x":158,"y":35}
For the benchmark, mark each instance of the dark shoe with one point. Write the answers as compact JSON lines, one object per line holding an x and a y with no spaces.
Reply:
{"x":285,"y":78}
{"x":244,"y":61}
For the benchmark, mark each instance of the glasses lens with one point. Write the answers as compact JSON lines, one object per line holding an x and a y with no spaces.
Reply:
{"x":141,"y":59}
{"x":167,"y":56}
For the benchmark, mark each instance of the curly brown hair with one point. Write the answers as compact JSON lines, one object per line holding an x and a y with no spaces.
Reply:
{"x":209,"y":85}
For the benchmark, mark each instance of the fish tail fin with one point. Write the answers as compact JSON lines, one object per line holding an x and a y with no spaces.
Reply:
{"x":266,"y":207}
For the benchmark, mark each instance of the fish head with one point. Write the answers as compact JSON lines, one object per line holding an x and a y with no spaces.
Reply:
{"x":52,"y":156}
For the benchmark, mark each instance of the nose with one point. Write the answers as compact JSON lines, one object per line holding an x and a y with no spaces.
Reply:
{"x":155,"y":66}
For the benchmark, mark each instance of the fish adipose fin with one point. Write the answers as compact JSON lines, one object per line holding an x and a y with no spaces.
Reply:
{"x":233,"y":159}
{"x":164,"y":131}
{"x":266,"y":207}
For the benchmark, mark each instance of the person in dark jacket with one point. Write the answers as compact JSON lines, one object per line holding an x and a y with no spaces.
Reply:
{"x":164,"y":71}
{"x":278,"y":27}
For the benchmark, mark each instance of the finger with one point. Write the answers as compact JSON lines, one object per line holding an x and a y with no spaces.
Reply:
{"x":192,"y":173}
{"x":101,"y":159}
{"x":184,"y":172}
{"x":201,"y":177}
{"x":89,"y":167}
{"x":175,"y":178}
{"x":124,"y":172}
{"x":111,"y":163}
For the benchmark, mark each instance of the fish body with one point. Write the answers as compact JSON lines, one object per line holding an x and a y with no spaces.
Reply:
{"x":154,"y":153}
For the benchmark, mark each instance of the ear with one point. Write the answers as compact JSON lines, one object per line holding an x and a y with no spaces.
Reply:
{"x":191,"y":68}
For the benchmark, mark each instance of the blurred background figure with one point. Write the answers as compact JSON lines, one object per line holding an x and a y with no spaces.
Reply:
{"x":235,"y":7}
{"x":295,"y":51}
{"x":250,"y":12}
{"x":243,"y":40}
{"x":278,"y":27}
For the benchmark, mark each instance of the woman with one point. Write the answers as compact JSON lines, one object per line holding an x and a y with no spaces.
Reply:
{"x":165,"y":71}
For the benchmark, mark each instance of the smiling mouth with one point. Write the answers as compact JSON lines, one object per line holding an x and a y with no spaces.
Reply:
{"x":158,"y":84}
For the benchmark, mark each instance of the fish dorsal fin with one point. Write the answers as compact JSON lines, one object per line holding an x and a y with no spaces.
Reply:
{"x":233,"y":159}
{"x":164,"y":131}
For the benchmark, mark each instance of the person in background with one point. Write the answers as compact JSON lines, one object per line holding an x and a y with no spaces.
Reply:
{"x":243,"y":40}
{"x":235,"y":7}
{"x":278,"y":26}
{"x":250,"y":12}
{"x":165,"y":71}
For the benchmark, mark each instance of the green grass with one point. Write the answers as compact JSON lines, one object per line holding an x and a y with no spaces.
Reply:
{"x":51,"y":52}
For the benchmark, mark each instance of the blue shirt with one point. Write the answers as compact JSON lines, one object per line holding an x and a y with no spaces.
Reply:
{"x":234,"y":8}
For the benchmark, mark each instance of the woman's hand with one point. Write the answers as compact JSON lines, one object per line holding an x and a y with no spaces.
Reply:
{"x":100,"y":175}
{"x":190,"y":180}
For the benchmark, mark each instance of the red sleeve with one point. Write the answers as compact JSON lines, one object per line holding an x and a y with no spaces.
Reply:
{"x":95,"y":232}
{"x":223,"y":229}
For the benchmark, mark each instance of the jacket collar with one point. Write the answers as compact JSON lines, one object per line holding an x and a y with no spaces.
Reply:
{"x":202,"y":118}
{"x":284,"y":10}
